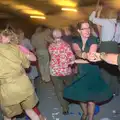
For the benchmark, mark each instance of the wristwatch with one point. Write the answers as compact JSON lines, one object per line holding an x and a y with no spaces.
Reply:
{"x":102,"y":55}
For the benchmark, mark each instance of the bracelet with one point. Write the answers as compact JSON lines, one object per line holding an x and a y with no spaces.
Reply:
{"x":102,"y":55}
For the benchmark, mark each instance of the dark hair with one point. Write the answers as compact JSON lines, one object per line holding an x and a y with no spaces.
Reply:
{"x":79,"y":24}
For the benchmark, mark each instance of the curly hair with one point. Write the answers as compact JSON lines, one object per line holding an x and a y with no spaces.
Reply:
{"x":12,"y":36}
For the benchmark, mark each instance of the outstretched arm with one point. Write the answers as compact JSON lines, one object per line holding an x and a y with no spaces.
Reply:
{"x":30,"y":56}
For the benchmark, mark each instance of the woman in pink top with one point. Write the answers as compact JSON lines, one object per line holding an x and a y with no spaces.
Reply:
{"x":61,"y":55}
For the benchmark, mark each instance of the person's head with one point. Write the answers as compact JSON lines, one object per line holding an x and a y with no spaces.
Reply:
{"x":57,"y":34}
{"x":108,"y":13}
{"x":8,"y":36}
{"x":39,"y":29}
{"x":83,"y":29}
{"x":20,"y":34}
{"x":47,"y":31}
{"x":67,"y":31}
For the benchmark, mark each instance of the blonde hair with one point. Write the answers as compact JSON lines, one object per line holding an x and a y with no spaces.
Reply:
{"x":12,"y":36}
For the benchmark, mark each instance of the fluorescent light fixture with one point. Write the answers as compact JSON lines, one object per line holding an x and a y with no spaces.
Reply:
{"x":68,"y":3}
{"x":20,"y":7}
{"x":32,"y":12}
{"x":38,"y":17}
{"x":69,"y":9}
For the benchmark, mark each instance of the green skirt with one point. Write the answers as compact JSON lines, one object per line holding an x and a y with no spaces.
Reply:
{"x":88,"y":86}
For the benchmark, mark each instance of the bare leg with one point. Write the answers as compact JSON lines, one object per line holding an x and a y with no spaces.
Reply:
{"x":6,"y":118}
{"x":91,"y":108}
{"x":36,"y":110}
{"x":31,"y":114}
{"x":42,"y":117}
{"x":84,"y":109}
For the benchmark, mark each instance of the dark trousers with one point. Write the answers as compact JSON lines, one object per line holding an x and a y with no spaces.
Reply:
{"x":60,"y":82}
{"x":110,"y":72}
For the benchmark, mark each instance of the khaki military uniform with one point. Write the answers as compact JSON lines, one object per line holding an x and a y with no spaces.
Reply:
{"x":16,"y":90}
{"x":40,"y":41}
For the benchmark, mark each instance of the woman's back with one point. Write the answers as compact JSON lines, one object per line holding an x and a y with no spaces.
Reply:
{"x":14,"y":84}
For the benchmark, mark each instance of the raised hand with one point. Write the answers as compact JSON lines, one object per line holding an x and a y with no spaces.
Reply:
{"x":99,"y":8}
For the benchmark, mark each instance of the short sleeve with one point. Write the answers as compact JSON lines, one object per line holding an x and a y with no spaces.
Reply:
{"x":69,"y":52}
{"x":75,"y":40}
{"x":93,"y":40}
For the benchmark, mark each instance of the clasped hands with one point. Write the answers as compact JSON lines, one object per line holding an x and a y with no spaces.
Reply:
{"x":91,"y":57}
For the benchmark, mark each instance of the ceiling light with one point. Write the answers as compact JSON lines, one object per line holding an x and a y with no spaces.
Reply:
{"x":69,"y":9}
{"x":32,"y":12}
{"x":68,"y":3}
{"x":20,"y":7}
{"x":38,"y":17}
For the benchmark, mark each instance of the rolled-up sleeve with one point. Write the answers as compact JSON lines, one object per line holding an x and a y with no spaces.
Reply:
{"x":92,"y":16}
{"x":98,"y":21}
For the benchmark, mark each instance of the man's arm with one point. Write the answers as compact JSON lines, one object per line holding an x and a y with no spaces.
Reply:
{"x":111,"y":58}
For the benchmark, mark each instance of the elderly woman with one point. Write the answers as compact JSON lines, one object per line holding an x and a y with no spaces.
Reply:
{"x":15,"y":97}
{"x":61,"y":55}
{"x":32,"y":72}
{"x":89,"y":88}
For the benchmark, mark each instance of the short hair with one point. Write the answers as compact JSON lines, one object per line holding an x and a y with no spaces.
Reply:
{"x":79,"y":24}
{"x":12,"y":36}
{"x":57,"y":33}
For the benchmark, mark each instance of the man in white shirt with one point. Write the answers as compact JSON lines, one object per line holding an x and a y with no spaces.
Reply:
{"x":110,"y":37}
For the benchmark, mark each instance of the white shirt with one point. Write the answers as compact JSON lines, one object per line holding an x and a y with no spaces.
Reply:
{"x":108,"y":28}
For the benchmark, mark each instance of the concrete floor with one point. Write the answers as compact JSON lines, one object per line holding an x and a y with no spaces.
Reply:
{"x":50,"y":107}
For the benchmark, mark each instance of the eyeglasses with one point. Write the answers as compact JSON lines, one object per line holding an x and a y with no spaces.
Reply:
{"x":85,"y":28}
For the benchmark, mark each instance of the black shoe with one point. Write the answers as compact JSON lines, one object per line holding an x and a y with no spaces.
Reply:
{"x":65,"y":112}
